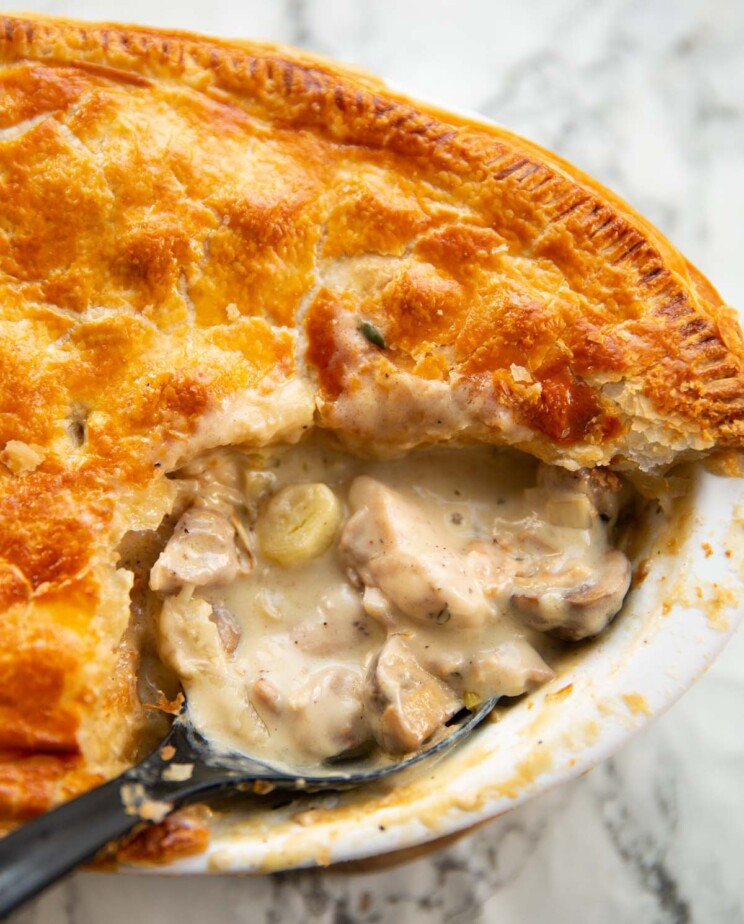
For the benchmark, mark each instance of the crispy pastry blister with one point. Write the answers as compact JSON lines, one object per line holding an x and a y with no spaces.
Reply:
{"x":206,"y":244}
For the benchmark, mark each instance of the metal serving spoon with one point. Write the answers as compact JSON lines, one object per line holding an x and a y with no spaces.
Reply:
{"x":182,"y":768}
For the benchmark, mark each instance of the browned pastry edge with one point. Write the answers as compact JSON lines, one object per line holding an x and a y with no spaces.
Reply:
{"x":683,"y":349}
{"x":705,"y":382}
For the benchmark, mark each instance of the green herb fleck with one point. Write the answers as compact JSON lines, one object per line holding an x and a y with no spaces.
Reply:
{"x":372,"y":334}
{"x":443,"y":616}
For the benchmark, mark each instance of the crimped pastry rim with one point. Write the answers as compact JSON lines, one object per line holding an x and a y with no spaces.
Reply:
{"x":682,"y":267}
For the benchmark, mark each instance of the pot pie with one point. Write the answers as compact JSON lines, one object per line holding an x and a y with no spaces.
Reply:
{"x":323,"y":404}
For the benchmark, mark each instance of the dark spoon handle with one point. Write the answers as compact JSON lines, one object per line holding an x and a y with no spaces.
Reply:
{"x":42,"y":851}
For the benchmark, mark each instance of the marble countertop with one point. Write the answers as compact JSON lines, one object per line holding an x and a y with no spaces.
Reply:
{"x":648,"y":96}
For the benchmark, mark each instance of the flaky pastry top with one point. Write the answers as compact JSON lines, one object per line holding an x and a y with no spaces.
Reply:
{"x":206,"y":243}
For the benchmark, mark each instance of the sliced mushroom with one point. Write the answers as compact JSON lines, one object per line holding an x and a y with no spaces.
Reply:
{"x":581,"y":611}
{"x":404,"y":703}
{"x":328,"y":713}
{"x":201,"y":551}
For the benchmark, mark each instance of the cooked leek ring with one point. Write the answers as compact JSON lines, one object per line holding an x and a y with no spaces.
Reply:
{"x":298,"y":523}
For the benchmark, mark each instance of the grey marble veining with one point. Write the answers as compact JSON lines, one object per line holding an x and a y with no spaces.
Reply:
{"x":647,"y":95}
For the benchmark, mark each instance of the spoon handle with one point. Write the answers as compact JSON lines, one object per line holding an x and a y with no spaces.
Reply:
{"x":42,"y":851}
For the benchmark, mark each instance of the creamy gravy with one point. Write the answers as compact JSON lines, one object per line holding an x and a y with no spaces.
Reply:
{"x":365,"y":608}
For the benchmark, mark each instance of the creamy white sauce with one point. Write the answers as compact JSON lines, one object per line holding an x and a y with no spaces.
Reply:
{"x":441,"y":564}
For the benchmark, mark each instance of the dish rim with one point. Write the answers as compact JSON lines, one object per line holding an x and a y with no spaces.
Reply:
{"x":670,"y":632}
{"x":701,"y":639}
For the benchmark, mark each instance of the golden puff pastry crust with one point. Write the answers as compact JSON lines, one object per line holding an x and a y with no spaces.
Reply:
{"x":194,"y":237}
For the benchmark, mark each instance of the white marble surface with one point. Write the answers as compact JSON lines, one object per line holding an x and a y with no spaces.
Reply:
{"x":648,"y":95}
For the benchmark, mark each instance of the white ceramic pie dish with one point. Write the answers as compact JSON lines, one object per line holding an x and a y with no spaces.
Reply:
{"x":672,"y":626}
{"x":674,"y":623}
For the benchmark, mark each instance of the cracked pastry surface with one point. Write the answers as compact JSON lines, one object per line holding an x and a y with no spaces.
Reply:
{"x":191,"y":234}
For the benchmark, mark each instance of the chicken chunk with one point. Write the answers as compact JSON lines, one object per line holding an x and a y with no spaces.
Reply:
{"x":404,"y":703}
{"x":189,"y":642}
{"x":509,"y":669}
{"x":339,"y":625}
{"x":392,"y":546}
{"x":202,"y":551}
{"x":328,"y":713}
{"x":213,"y":481}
